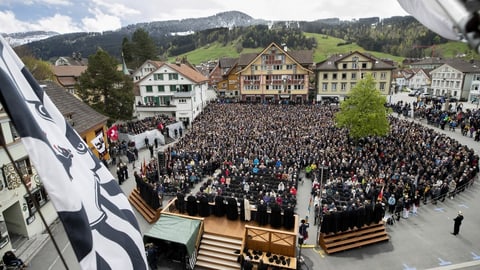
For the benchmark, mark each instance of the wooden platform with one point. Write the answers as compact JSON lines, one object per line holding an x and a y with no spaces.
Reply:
{"x":354,"y":238}
{"x":151,"y":215}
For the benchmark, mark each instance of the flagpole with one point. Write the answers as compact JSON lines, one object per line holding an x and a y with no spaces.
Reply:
{"x":35,"y":202}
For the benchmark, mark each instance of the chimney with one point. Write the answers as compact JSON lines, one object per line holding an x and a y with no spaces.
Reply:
{"x":285,"y":48}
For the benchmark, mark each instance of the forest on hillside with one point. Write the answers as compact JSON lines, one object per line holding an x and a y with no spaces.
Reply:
{"x":401,"y":36}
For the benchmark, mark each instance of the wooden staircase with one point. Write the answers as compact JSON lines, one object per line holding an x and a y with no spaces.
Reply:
{"x":151,"y":215}
{"x":218,"y":252}
{"x":366,"y":235}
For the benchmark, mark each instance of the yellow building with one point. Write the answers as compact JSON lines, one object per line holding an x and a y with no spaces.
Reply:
{"x":275,"y":75}
{"x":337,"y":75}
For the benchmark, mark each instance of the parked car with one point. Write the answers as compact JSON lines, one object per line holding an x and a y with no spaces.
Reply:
{"x":413,"y":93}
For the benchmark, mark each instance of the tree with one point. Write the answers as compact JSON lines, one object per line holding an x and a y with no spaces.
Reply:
{"x":364,"y":112}
{"x":41,"y":70}
{"x":105,"y":88}
{"x":144,"y":47}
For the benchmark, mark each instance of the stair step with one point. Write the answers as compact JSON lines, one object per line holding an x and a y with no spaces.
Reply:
{"x":225,"y":256}
{"x":209,"y":265}
{"x":219,"y":244}
{"x":222,"y":239}
{"x":218,"y":249}
{"x":356,"y":239}
{"x":218,"y":261}
{"x":357,"y":244}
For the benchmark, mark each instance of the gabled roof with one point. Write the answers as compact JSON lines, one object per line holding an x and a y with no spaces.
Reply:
{"x":227,"y":62}
{"x":252,"y":58}
{"x":84,"y":118}
{"x":188,"y":71}
{"x":331,"y":62}
{"x":68,"y":71}
{"x":184,"y":69}
{"x":304,"y":57}
{"x":246,"y":58}
{"x":464,"y":66}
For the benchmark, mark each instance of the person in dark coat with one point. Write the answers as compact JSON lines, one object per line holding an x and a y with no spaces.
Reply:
{"x":457,"y":222}
{"x":232,"y":208}
{"x":368,"y":213}
{"x":378,"y":212}
{"x":192,"y":206}
{"x":276,"y":216}
{"x":288,"y":217}
{"x":360,"y":216}
{"x":262,"y":218}
{"x":219,"y":208}
{"x":120,"y":175}
{"x":180,"y":202}
{"x":204,"y":206}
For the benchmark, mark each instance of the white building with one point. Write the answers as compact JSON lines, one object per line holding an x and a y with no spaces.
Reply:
{"x":457,"y":79}
{"x":177,"y":90}
{"x":419,"y":79}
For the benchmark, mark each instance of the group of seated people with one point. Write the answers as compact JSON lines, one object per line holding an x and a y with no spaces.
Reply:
{"x":148,"y":123}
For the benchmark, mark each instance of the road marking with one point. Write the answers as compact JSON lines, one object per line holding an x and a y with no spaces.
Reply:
{"x":440,"y":209}
{"x":406,"y":267}
{"x":320,"y":252}
{"x":58,"y":257}
{"x":462,"y":205}
{"x":456,"y":266}
{"x":475,"y":256}
{"x":443,"y":263}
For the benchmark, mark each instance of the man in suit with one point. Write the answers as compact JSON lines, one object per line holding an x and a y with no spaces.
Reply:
{"x":457,"y":222}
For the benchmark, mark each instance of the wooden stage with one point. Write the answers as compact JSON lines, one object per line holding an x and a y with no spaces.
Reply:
{"x":232,"y":228}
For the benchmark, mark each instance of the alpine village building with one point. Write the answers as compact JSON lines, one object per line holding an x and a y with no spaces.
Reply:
{"x":338,"y":74}
{"x":176,"y":90}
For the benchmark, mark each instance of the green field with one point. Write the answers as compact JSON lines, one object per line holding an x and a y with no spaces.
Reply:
{"x":326,"y":46}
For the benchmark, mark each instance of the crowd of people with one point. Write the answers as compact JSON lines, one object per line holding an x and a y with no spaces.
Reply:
{"x":253,"y":154}
{"x":159,"y":122}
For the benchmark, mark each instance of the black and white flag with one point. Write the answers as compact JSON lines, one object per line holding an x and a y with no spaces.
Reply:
{"x":99,"y":143}
{"x":96,"y":215}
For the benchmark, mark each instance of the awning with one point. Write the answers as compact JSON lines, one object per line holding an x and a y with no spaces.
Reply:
{"x":176,"y":229}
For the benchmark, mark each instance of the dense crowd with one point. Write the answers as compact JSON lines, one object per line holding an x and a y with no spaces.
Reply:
{"x":254,"y":153}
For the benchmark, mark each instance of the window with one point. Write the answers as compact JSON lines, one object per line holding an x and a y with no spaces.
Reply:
{"x":161,"y":88}
{"x":364,"y":65}
{"x":149,"y":88}
{"x":343,"y":86}
{"x":182,"y":101}
{"x":40,"y":196}
{"x":352,"y":85}
{"x":476,"y":77}
{"x":383,"y":75}
{"x":325,"y":76}
{"x":334,"y":86}
{"x":354,"y":76}
{"x":173,"y":76}
{"x":324,"y":86}
{"x":277,"y":67}
{"x":344,"y":65}
{"x":382,"y":86}
{"x":334,"y":76}
{"x":158,"y":77}
{"x":289,"y":67}
{"x":344,"y":76}
{"x":355,"y":62}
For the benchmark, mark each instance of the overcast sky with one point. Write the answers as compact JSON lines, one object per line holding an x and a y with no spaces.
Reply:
{"x":65,"y":16}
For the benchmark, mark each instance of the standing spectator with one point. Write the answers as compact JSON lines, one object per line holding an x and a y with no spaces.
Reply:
{"x":391,"y":203}
{"x":146,"y":142}
{"x":151,"y":251}
{"x":10,"y":259}
{"x":457,"y":222}
{"x":303,"y":230}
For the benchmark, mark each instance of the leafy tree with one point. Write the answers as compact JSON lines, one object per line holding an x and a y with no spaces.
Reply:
{"x":364,"y":112}
{"x":144,"y":47}
{"x":105,"y":88}
{"x":41,"y":70}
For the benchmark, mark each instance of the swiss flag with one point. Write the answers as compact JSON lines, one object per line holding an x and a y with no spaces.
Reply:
{"x":112,"y":133}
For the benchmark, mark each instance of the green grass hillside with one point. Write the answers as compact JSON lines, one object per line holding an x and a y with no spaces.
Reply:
{"x":326,"y":46}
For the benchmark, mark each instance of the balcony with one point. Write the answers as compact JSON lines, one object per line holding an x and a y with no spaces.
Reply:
{"x":184,"y":94}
